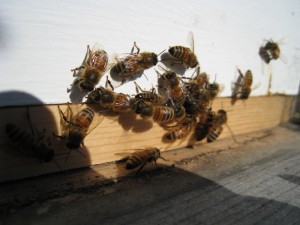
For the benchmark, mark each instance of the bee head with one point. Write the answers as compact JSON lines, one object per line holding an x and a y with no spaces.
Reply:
{"x":85,"y":87}
{"x":150,"y":59}
{"x":75,"y":138}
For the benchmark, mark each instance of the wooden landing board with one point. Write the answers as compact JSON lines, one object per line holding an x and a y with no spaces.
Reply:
{"x":125,"y":133}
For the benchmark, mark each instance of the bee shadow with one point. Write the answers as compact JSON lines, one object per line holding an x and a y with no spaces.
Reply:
{"x":75,"y":94}
{"x":130,"y":121}
{"x":38,"y":121}
{"x":173,"y":64}
{"x":117,"y":81}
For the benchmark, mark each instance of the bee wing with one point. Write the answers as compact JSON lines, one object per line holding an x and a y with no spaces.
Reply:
{"x":97,"y":119}
{"x":190,"y":40}
{"x":221,"y":88}
{"x":283,"y":58}
{"x":283,"y":41}
{"x":97,"y":47}
{"x":87,"y":55}
{"x":255,"y":86}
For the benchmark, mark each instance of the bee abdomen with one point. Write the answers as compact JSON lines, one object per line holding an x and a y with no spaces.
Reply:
{"x":20,"y":139}
{"x":133,"y":162}
{"x":163,"y":114}
{"x":177,"y":134}
{"x":177,"y":52}
{"x":121,"y":103}
{"x":118,"y":68}
{"x":214,"y":134}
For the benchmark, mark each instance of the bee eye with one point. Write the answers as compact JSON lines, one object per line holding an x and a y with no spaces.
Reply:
{"x":86,"y":87}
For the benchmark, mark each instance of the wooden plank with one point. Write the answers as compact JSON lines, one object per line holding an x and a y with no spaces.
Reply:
{"x":125,"y":132}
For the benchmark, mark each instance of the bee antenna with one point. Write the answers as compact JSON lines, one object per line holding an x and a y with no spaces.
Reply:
{"x":145,"y":76}
{"x":161,"y":52}
{"x":68,"y":156}
{"x":80,"y":153}
{"x":57,"y":164}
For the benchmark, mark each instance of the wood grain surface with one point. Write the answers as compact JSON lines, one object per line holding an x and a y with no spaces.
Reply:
{"x":124,"y":133}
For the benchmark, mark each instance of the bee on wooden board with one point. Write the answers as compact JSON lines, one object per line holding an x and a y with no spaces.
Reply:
{"x":147,"y":110}
{"x":181,"y":130}
{"x":211,"y":126}
{"x":184,"y":54}
{"x":76,"y":124}
{"x":130,"y":65}
{"x":203,"y":126}
{"x":140,"y":158}
{"x":196,"y":83}
{"x":242,"y":87}
{"x":32,"y":144}
{"x":200,"y":101}
{"x":270,"y":50}
{"x":170,"y":86}
{"x":108,"y":99}
{"x":91,"y":69}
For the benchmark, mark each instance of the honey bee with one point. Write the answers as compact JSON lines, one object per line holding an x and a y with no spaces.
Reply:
{"x":91,"y":70}
{"x":216,"y":128}
{"x":242,"y":87}
{"x":197,"y":83}
{"x":149,"y":96}
{"x":147,"y":110}
{"x":140,"y":158}
{"x":203,"y":126}
{"x":32,"y":143}
{"x":200,"y":101}
{"x":76,"y":126}
{"x":270,"y":50}
{"x":170,"y":86}
{"x":210,"y":125}
{"x":184,"y":54}
{"x":129,"y":66}
{"x":181,"y":130}
{"x":108,"y":99}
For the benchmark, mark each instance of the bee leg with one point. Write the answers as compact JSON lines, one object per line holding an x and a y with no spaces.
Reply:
{"x":33,"y":128}
{"x":64,"y":117}
{"x":68,"y":156}
{"x":29,"y":120}
{"x":109,"y":83}
{"x":57,"y":164}
{"x":139,"y":170}
{"x":138,"y":87}
{"x":137,"y":48}
{"x":80,"y":153}
{"x":58,"y":136}
{"x":163,"y":158}
{"x":76,"y":69}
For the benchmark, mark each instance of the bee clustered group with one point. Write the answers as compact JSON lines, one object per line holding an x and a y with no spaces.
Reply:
{"x":180,"y":105}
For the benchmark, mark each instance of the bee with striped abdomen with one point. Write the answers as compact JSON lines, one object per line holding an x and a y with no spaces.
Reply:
{"x":108,"y":99}
{"x":184,"y":54}
{"x":140,"y":158}
{"x":149,"y":96}
{"x":216,"y":129}
{"x":76,"y":125}
{"x":181,"y":130}
{"x":130,"y":65}
{"x":91,"y":69}
{"x":270,"y":50}
{"x":242,"y":87}
{"x":32,"y":144}
{"x":147,"y":110}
